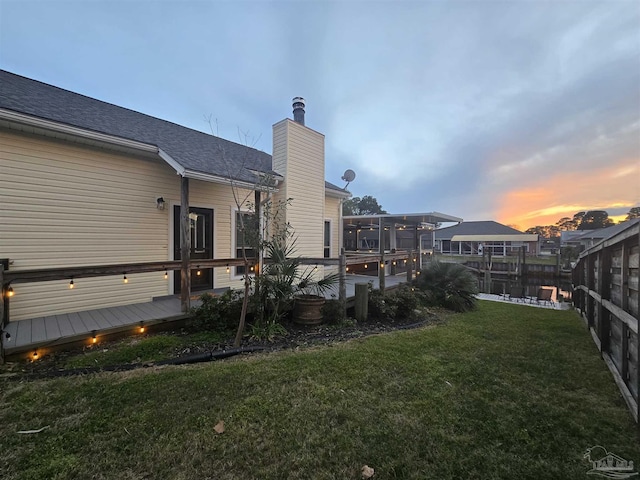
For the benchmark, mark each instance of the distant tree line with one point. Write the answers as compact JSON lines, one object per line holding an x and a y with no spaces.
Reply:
{"x":366,"y":205}
{"x":589,"y":220}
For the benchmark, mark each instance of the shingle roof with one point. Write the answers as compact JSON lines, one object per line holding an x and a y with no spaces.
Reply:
{"x":602,"y":233}
{"x":475,"y":228}
{"x":192,"y":149}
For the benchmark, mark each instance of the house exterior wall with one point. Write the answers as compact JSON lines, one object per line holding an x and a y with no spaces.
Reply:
{"x":298,"y":155}
{"x":332,"y":208}
{"x":65,"y":205}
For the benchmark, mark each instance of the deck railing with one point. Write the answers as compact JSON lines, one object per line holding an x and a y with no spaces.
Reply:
{"x":606,"y":293}
{"x":12,"y":277}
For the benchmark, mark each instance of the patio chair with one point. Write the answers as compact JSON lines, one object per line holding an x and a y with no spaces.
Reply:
{"x":544,"y":296}
{"x":516,"y":294}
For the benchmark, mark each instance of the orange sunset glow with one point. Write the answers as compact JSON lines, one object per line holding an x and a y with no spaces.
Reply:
{"x":613,"y":187}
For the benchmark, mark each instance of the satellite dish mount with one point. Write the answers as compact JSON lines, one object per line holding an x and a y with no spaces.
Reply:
{"x":348,"y":176}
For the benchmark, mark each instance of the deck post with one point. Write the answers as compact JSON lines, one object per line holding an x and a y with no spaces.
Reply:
{"x":185,"y":246}
{"x":381,"y":273}
{"x":362,"y":302}
{"x":2,"y":323}
{"x":342,"y":286}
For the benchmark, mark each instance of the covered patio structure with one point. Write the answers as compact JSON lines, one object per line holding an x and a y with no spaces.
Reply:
{"x":390,"y":233}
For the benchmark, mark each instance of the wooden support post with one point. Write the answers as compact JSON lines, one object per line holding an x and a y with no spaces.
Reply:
{"x":362,"y":302}
{"x":342,"y":286}
{"x":603,"y":313}
{"x":2,"y":322}
{"x":185,"y":246}
{"x":381,"y":273}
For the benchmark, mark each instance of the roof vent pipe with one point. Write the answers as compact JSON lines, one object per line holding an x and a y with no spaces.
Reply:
{"x":298,"y":110}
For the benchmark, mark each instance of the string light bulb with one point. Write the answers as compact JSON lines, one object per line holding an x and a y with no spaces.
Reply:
{"x":124,"y":278}
{"x":366,"y":265}
{"x":71,"y":285}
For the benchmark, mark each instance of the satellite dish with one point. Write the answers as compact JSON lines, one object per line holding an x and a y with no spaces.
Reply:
{"x":348,"y":176}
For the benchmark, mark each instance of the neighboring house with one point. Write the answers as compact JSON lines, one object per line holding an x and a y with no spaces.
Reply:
{"x":83,"y":182}
{"x":475,"y":238}
{"x":583,"y":239}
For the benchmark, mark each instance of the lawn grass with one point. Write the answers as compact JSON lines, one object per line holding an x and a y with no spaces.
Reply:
{"x":504,"y":392}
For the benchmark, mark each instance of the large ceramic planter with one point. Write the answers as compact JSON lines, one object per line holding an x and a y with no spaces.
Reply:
{"x":307,"y":310}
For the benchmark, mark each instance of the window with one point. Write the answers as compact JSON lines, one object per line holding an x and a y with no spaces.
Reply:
{"x":327,"y":239}
{"x":242,"y":237}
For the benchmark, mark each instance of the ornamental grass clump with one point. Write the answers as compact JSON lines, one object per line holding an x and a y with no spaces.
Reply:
{"x":448,"y":285}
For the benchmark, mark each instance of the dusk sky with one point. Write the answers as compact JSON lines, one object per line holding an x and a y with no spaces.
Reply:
{"x":521,"y":112}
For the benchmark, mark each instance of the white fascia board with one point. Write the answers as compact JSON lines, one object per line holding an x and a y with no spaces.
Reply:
{"x":207,"y":177}
{"x":330,"y":192}
{"x":169,"y":159}
{"x":21,"y":118}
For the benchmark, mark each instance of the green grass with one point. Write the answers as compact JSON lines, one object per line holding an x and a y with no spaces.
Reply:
{"x":503,"y":392}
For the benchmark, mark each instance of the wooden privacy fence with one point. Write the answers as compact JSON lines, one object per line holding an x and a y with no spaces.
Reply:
{"x":606,"y":293}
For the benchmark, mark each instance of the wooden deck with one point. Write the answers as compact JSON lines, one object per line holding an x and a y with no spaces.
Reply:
{"x":55,"y":330}
{"x":44,"y":333}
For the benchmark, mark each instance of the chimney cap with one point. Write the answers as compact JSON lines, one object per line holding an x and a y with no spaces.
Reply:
{"x":298,"y":110}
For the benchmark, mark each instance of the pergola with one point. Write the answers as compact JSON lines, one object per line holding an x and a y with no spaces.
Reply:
{"x":390,"y":232}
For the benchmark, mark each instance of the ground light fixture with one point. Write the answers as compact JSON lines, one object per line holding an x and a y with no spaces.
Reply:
{"x":34,"y":355}
{"x":141,"y":327}
{"x":94,"y":338}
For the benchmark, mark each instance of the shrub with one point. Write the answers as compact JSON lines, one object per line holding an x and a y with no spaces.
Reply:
{"x":332,"y":312}
{"x":379,"y":305}
{"x":448,"y":285}
{"x":218,"y":312}
{"x":404,"y":301}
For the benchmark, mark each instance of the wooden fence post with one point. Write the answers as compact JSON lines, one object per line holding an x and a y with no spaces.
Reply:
{"x":362,"y":301}
{"x":342,"y":285}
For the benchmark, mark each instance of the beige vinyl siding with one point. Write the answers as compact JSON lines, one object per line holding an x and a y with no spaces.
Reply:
{"x":332,"y":212}
{"x":298,"y":155}
{"x":64,"y":204}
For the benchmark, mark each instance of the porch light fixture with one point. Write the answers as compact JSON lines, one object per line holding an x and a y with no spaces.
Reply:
{"x":10,"y":292}
{"x":7,"y":336}
{"x":160,"y":203}
{"x":366,"y":265}
{"x":71,"y":285}
{"x":347,"y":269}
{"x":252,"y":268}
{"x":381,"y":264}
{"x":394,"y":263}
{"x":198,"y":272}
{"x":166,"y":274}
{"x":124,"y":278}
{"x":228,"y":269}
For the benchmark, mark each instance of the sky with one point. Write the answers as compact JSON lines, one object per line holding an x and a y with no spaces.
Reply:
{"x":521,"y":112}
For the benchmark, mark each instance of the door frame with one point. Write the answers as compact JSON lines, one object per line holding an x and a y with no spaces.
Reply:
{"x":170,"y":233}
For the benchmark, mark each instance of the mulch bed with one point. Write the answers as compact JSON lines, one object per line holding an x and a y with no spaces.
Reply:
{"x":297,"y":337}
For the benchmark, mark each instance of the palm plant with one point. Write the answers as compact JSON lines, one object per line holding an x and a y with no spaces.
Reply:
{"x":449,"y":285}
